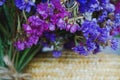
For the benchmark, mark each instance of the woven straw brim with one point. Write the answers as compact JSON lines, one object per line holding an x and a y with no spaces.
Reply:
{"x":71,"y":66}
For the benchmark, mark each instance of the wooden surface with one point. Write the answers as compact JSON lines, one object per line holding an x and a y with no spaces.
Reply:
{"x":71,"y":66}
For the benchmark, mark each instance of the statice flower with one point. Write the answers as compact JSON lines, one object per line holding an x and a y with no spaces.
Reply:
{"x":88,"y":27}
{"x":25,"y":4}
{"x":61,"y":24}
{"x":35,"y":21}
{"x":20,"y":45}
{"x":74,"y":28}
{"x":114,"y":44}
{"x":95,"y":5}
{"x":116,"y":31}
{"x":2,"y":2}
{"x":117,"y":7}
{"x":104,"y":35}
{"x":44,"y":1}
{"x":86,"y":6}
{"x":81,"y":50}
{"x":91,"y":46}
{"x":50,"y":36}
{"x":109,"y":7}
{"x":49,"y":17}
{"x":84,"y":30}
{"x":57,"y":54}
{"x":42,"y":10}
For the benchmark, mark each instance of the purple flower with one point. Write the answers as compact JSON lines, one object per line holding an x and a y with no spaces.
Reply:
{"x":109,"y":7}
{"x":35,"y":21}
{"x":27,"y":28}
{"x":90,"y":45}
{"x":2,"y":2}
{"x":90,"y":29}
{"x":80,"y":50}
{"x":44,"y":1}
{"x":74,"y":28}
{"x":117,"y":6}
{"x":34,"y":39}
{"x":44,"y":26}
{"x":61,"y":24}
{"x":50,"y":36}
{"x":57,"y":54}
{"x":82,"y":1}
{"x":114,"y":44}
{"x":57,"y":5}
{"x":68,"y":26}
{"x":97,"y":49}
{"x":116,"y":31}
{"x":104,"y":35}
{"x":31,"y":40}
{"x":51,"y":27}
{"x":20,"y":45}
{"x":104,"y":1}
{"x":25,"y":4}
{"x":42,"y":10}
{"x":54,"y":19}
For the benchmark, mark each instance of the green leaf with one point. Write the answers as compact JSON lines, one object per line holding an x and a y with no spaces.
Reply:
{"x":3,"y":30}
{"x":24,"y":54}
{"x":28,"y":58}
{"x":10,"y":50}
{"x":1,"y":53}
{"x":9,"y":18}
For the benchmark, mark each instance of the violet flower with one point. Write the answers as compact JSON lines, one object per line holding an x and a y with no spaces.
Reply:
{"x":25,"y":4}
{"x":57,"y":54}
{"x":2,"y":2}
{"x":117,"y":7}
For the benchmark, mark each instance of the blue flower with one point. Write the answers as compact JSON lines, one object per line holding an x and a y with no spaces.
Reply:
{"x":2,"y":2}
{"x":97,"y":49}
{"x":44,"y":1}
{"x":50,"y":36}
{"x":114,"y":43}
{"x":82,"y":1}
{"x":90,"y":45}
{"x":57,"y":54}
{"x":25,"y":4}
{"x":104,"y":35}
{"x":80,"y":50}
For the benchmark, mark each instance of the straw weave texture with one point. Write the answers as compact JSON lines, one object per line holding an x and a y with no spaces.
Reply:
{"x":71,"y":66}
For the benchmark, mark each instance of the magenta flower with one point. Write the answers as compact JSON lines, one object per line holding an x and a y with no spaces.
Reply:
{"x":61,"y":24}
{"x":41,"y":9}
{"x":117,"y":6}
{"x":74,"y":28}
{"x":20,"y":45}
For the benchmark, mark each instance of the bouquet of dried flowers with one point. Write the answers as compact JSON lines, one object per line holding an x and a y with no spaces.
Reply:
{"x":27,"y":26}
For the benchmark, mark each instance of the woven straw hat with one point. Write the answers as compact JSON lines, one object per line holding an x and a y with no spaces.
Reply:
{"x":71,"y":66}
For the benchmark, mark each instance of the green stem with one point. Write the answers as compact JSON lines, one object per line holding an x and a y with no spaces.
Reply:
{"x":10,"y":50}
{"x":33,"y":52}
{"x":24,"y":15}
{"x":8,"y":17}
{"x":23,"y":57}
{"x":1,"y":53}
{"x":16,"y":60}
{"x":2,"y":29}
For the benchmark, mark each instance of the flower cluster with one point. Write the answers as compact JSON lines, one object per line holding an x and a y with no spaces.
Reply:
{"x":49,"y":17}
{"x":81,"y":25}
{"x":25,"y":4}
{"x":2,"y":2}
{"x":95,"y":5}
